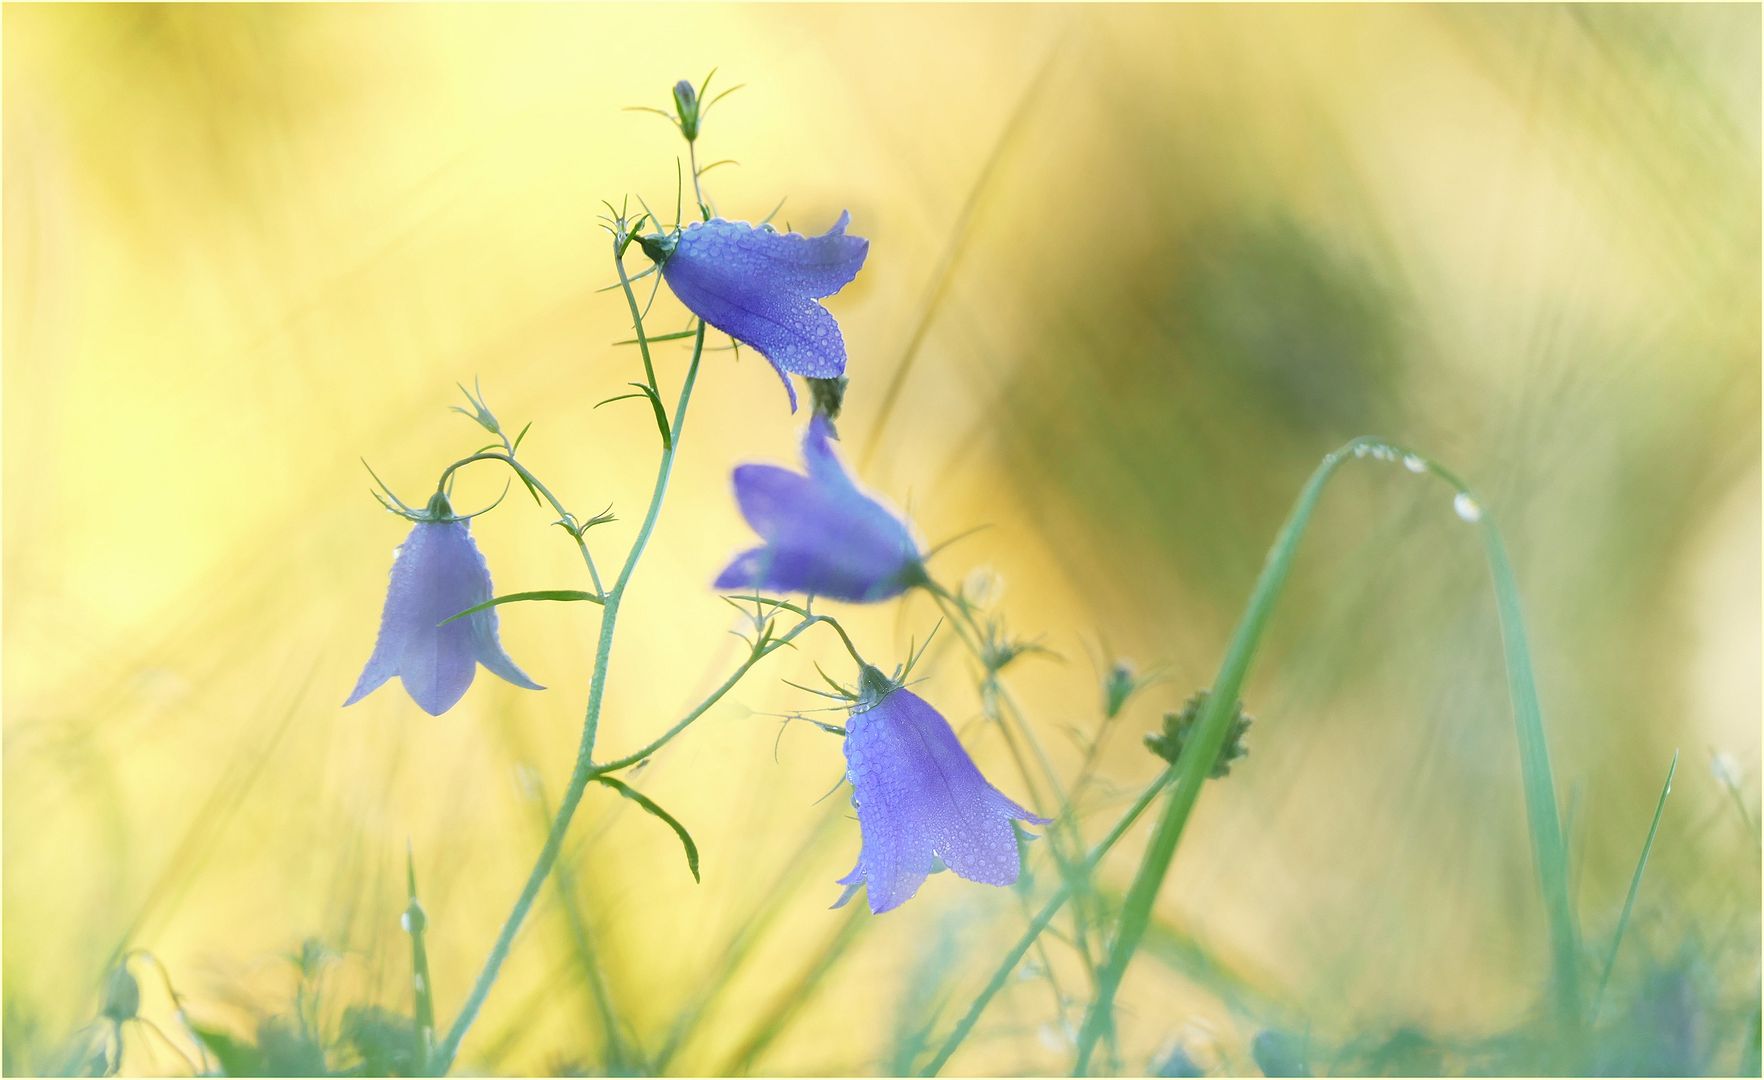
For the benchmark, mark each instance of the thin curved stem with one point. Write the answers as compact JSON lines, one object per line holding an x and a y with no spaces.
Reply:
{"x":997,"y":702}
{"x":1197,"y":760}
{"x":584,"y":768}
{"x":637,"y":323}
{"x":1040,"y":923}
{"x":704,"y":706}
{"x":522,"y":471}
{"x":704,"y":209}
{"x":785,"y":605}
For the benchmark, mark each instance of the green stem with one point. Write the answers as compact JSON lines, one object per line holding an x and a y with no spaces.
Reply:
{"x":704,"y":706}
{"x":637,"y":323}
{"x":1214,"y":723}
{"x":1549,"y":850}
{"x":584,"y":769}
{"x":1040,"y":923}
{"x":415,"y":923}
{"x":785,"y":605}
{"x":1002,"y":709}
{"x":1641,"y":865}
{"x":704,"y":209}
{"x":521,"y":471}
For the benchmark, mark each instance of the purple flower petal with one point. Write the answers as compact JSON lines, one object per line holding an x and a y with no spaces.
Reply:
{"x":487,"y":648}
{"x":770,"y":498}
{"x":759,"y":286}
{"x":812,"y":266}
{"x":437,"y":573}
{"x":823,"y":535}
{"x":920,"y":798}
{"x":776,"y":570}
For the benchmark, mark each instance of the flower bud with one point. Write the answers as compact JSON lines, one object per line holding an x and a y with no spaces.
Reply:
{"x":1120,"y":685}
{"x":686,"y":105}
{"x":122,"y":995}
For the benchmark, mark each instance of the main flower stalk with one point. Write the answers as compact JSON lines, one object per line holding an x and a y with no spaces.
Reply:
{"x":584,"y":768}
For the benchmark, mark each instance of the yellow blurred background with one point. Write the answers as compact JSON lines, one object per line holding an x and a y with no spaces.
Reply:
{"x":1134,"y":270}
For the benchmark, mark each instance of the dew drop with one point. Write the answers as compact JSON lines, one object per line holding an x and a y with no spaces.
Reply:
{"x":1466,"y":507}
{"x":1414,"y":464}
{"x":404,"y":921}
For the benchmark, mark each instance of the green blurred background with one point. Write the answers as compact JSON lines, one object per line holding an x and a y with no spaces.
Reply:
{"x":1133,"y":272}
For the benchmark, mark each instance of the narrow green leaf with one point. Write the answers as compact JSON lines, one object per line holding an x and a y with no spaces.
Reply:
{"x":1212,"y":727}
{"x":540,"y":594}
{"x":721,"y":96}
{"x":661,"y":413}
{"x":1641,"y":864}
{"x":678,"y":335}
{"x":415,"y":923}
{"x":638,"y":276}
{"x":644,"y":390}
{"x":649,"y":804}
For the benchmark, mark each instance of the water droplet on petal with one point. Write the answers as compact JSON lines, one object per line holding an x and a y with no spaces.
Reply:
{"x":1466,"y":507}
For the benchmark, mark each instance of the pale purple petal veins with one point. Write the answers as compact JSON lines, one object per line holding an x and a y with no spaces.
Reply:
{"x":817,"y":453}
{"x":382,"y":665}
{"x":812,"y":266}
{"x":437,"y":573}
{"x":487,"y":646}
{"x":920,"y":800}
{"x":746,"y":572}
{"x":795,"y":333}
{"x":823,"y":535}
{"x":438,"y":668}
{"x":760,"y":287}
{"x":771,"y":498}
{"x":811,"y":572}
{"x":852,"y":882}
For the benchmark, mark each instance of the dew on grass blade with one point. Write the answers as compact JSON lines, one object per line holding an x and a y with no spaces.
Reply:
{"x":1466,"y":507}
{"x":1414,"y":463}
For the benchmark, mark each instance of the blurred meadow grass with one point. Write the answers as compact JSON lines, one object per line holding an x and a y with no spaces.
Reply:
{"x":1134,"y":270}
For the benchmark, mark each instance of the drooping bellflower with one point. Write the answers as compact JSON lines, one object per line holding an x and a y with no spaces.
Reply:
{"x":760,"y":287}
{"x":823,"y":535}
{"x":437,"y":572}
{"x":920,"y":799}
